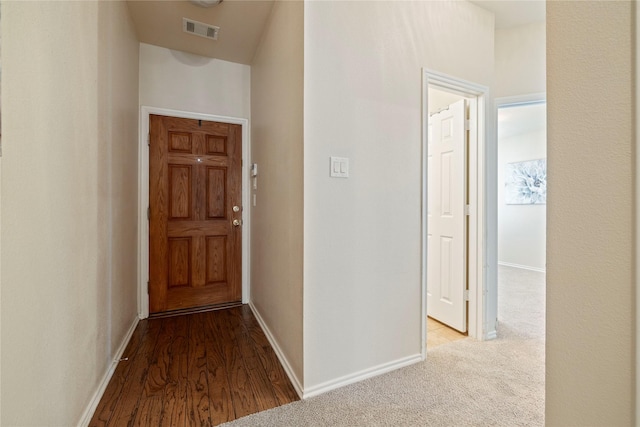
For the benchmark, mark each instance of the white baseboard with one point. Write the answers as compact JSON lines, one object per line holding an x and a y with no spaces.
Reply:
{"x":93,"y":404}
{"x":362,"y":375}
{"x":276,"y":348}
{"x":524,"y":267}
{"x":491,"y":335}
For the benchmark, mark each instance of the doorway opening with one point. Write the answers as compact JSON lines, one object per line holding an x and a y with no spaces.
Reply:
{"x":453,"y":254}
{"x":143,"y":199}
{"x":521,"y":208}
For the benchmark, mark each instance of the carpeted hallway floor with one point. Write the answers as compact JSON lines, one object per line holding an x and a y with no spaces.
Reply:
{"x":463,"y":383}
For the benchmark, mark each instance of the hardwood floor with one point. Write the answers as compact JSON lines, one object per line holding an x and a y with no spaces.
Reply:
{"x":192,"y":370}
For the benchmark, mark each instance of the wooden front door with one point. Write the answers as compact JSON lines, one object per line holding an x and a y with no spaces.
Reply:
{"x":195,"y":232}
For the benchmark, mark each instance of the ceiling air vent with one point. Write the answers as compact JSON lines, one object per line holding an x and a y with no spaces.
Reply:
{"x":200,"y":29}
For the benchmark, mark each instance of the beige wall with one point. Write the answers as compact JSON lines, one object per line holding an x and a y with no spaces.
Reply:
{"x":118,"y":52}
{"x":277,"y":148}
{"x":520,"y":60}
{"x":1,"y":13}
{"x":362,"y":100}
{"x":590,"y":376}
{"x":68,"y":203}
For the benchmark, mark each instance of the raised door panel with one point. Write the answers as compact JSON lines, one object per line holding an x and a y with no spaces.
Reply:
{"x":216,"y":192}
{"x":216,"y":145}
{"x":446,"y":266}
{"x":216,"y":258}
{"x":179,"y":261}
{"x":180,"y":142}
{"x":446,"y":178}
{"x":179,"y":192}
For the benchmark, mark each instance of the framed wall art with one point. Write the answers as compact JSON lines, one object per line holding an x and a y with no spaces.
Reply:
{"x":526,"y":182}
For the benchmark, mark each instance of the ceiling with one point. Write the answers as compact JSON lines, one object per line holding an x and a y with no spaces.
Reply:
{"x":512,"y":13}
{"x":242,"y":22}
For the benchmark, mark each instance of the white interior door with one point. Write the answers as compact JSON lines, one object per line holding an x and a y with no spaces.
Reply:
{"x":446,"y":217}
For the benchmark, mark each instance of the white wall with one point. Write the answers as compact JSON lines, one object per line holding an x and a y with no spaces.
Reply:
{"x":186,"y":82}
{"x":362,"y":100}
{"x":520,"y":55}
{"x":590,"y":363}
{"x":68,"y":203}
{"x":277,"y":147}
{"x":521,"y":228}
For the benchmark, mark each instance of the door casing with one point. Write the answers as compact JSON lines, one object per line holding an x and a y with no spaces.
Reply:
{"x":479,"y":240}
{"x":143,"y":199}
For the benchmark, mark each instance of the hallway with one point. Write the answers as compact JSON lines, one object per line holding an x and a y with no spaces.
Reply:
{"x":197,"y":369}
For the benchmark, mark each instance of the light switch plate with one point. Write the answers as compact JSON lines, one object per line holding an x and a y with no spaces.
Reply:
{"x":339,"y":167}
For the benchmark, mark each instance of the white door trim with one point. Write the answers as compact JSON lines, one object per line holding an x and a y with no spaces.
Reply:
{"x":143,"y":199}
{"x":477,"y":193}
{"x":512,"y":101}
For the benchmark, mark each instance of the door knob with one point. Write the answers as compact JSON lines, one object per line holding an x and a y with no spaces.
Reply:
{"x":237,"y":223}
{"x":236,"y":208}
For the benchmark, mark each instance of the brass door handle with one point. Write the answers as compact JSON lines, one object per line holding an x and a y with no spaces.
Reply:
{"x":237,"y":222}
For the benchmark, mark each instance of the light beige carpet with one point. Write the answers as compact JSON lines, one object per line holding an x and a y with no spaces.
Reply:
{"x":463,"y":383}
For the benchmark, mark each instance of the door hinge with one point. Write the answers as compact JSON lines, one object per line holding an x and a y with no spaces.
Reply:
{"x":149,"y":139}
{"x":467,"y":209}
{"x":467,"y":124}
{"x":466,"y":294}
{"x":147,"y":287}
{"x":148,"y":213}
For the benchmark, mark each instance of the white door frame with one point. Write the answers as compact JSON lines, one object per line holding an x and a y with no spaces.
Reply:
{"x":143,"y":198}
{"x":477,"y":192}
{"x":503,"y":102}
{"x":514,"y":101}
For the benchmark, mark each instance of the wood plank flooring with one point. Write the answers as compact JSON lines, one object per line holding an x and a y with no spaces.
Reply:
{"x":194,"y":370}
{"x":439,"y":333}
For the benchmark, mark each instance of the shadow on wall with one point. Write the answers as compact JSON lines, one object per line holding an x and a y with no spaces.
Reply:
{"x":190,"y":59}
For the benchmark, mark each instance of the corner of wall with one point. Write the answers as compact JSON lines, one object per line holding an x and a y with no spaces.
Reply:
{"x":277,"y":214}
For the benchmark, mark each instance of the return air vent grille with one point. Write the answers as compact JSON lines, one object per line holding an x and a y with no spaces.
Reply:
{"x":200,"y":29}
